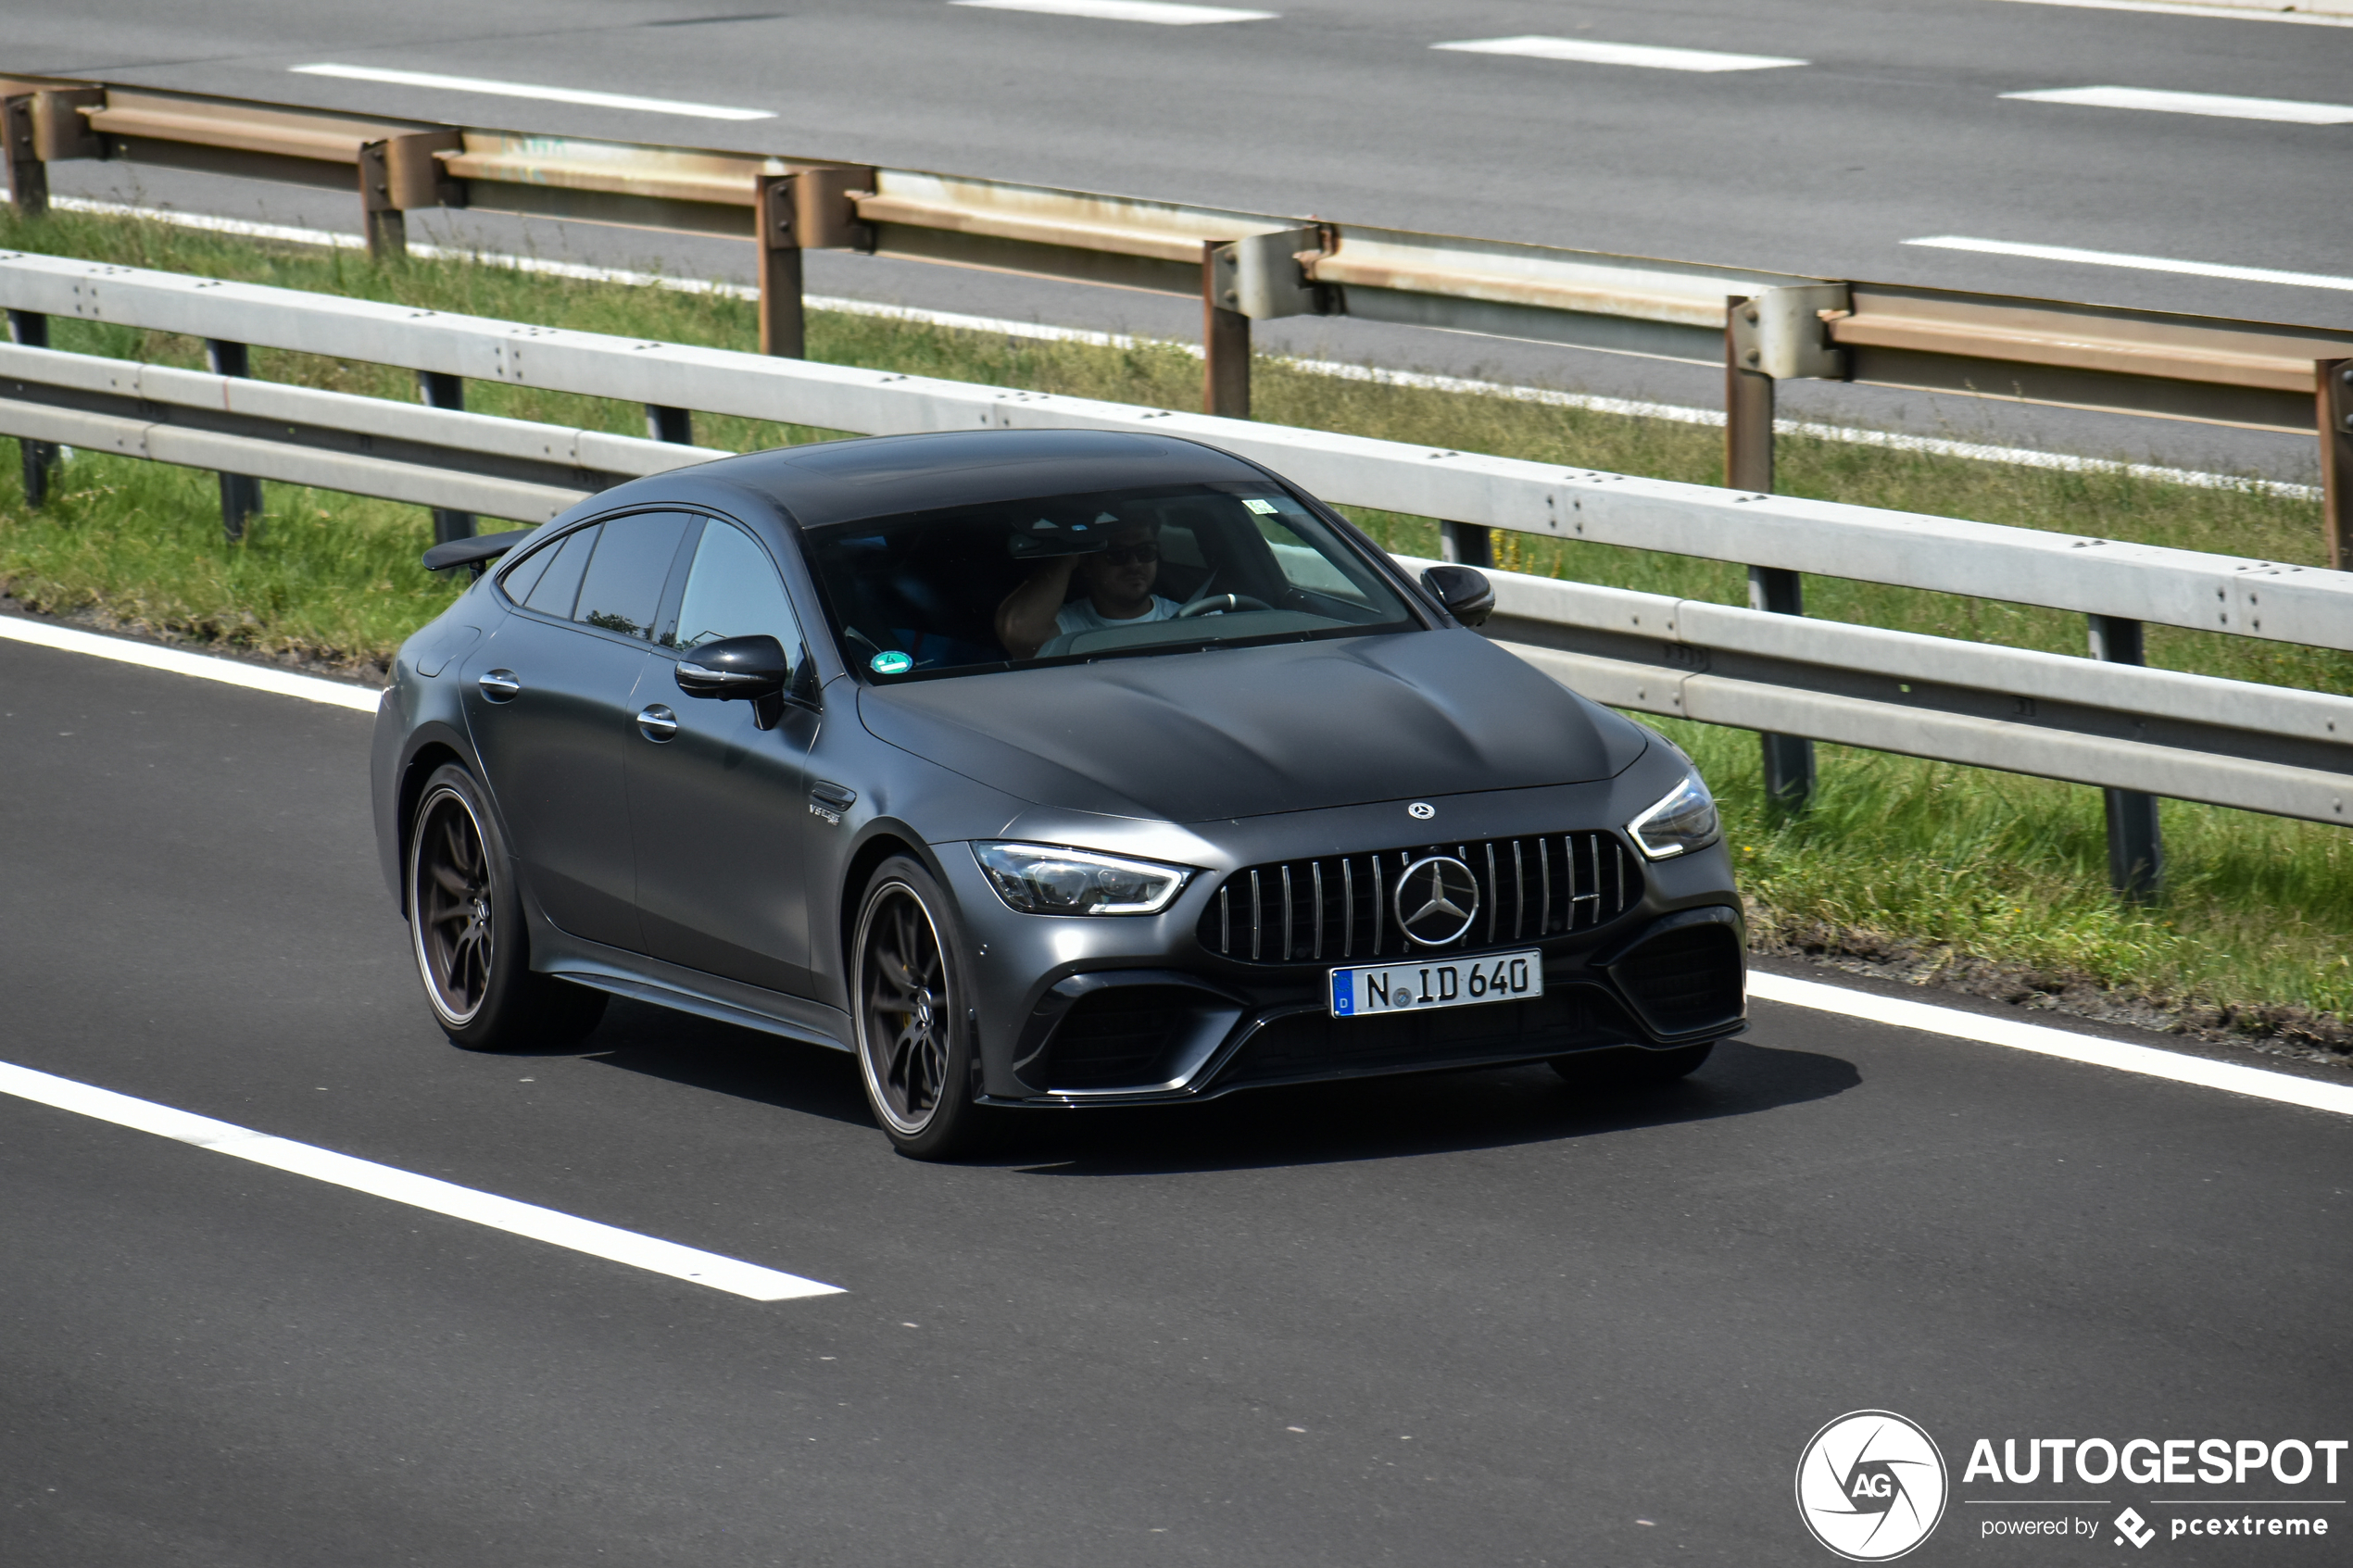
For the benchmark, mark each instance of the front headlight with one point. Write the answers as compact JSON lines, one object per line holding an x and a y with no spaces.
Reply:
{"x":1686,"y":819}
{"x":1035,"y":879}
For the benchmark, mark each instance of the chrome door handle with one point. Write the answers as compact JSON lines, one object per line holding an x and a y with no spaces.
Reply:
{"x":657,"y":723}
{"x":499,"y":685}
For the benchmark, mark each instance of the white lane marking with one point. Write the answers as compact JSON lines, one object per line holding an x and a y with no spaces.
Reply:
{"x":527,"y":90}
{"x":1897,"y":441}
{"x":204,"y":667}
{"x":1537,"y":47}
{"x":2231,"y":13}
{"x":1125,"y":11}
{"x":417,"y":1192}
{"x":2215,"y":104}
{"x":2044,"y":1040}
{"x":2144,"y":263}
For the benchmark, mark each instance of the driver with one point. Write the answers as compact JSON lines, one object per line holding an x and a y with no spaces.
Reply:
{"x":1117,"y":590}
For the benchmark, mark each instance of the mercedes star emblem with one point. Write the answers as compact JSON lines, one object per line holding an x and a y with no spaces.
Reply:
{"x":1436,"y":900}
{"x":1421,"y":811}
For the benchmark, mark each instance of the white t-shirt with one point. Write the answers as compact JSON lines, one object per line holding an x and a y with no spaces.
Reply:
{"x":1080,"y":615}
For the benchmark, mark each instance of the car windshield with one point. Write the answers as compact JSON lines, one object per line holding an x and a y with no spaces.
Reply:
{"x":1090,"y":576}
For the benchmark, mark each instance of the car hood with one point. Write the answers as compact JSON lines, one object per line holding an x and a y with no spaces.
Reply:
{"x":1233,"y":732}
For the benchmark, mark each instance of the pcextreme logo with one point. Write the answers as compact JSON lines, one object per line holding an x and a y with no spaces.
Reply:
{"x":1871,"y":1486}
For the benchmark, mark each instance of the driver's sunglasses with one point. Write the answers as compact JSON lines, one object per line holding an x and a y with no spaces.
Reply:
{"x":1146,"y":554}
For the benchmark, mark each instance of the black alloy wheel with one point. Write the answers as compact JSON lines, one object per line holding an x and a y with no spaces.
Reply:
{"x":466,"y":931}
{"x":453,"y":925}
{"x":914,"y":1040}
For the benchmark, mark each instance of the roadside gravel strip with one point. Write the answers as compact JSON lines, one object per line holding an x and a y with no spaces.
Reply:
{"x":1928,"y":1017}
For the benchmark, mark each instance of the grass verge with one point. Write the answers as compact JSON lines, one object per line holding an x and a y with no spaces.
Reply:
{"x":1945,"y":869}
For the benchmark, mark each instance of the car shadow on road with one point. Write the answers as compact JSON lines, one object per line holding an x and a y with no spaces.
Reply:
{"x":1426,"y":1114}
{"x":1300,"y":1124}
{"x":703,"y":1053}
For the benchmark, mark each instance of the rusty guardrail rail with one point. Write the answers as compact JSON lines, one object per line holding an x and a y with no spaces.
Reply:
{"x":1764,"y":327}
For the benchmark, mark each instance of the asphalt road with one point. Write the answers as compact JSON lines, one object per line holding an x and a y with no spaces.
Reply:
{"x":1479,"y":1318}
{"x":1896,"y":129}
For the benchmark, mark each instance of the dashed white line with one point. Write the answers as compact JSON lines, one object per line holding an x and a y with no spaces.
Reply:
{"x":1648,"y":56}
{"x":2044,"y":1040}
{"x":405,"y":1187}
{"x":2144,"y":263}
{"x":1154,"y":11}
{"x":2228,"y":13}
{"x":528,"y":90}
{"x":178,"y":661}
{"x":2220,"y":105}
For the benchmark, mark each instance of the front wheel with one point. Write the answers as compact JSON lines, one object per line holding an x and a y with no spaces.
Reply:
{"x":466,"y":931}
{"x":914,"y":1017}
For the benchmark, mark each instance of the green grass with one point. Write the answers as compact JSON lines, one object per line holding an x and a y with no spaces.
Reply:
{"x":1894,"y":851}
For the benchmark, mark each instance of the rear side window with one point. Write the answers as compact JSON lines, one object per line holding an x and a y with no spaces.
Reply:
{"x":623,"y":588}
{"x":558,"y":584}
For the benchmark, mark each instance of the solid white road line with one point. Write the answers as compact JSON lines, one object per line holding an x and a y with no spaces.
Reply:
{"x":204,"y":667}
{"x":1537,"y":47}
{"x":1125,"y":11}
{"x":2231,"y":13}
{"x":2144,"y":263}
{"x":2213,"y":104}
{"x":417,"y":1192}
{"x":2046,"y":1041}
{"x":1974,"y":451}
{"x":526,"y":90}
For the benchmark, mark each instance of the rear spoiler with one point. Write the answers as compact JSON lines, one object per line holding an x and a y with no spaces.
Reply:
{"x":477,"y":552}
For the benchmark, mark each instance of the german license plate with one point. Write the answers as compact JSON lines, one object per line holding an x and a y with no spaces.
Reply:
{"x":1438,"y":982}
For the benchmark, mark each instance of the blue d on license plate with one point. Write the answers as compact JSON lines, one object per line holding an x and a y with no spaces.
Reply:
{"x":1438,"y":982}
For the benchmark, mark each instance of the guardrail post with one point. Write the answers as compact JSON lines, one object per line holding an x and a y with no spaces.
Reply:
{"x":783,"y":328}
{"x":1467,"y":544}
{"x":2334,"y":381}
{"x":1748,"y":465}
{"x":32,"y":329}
{"x":1225,"y":335}
{"x":439,"y":389}
{"x":670,"y":424}
{"x":27,"y":176}
{"x":387,"y":225}
{"x":240,"y":494}
{"x":2135,"y":846}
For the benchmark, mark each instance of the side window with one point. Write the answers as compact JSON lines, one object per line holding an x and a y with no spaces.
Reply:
{"x":623,"y":588}
{"x":559,"y":584}
{"x":732,"y":591}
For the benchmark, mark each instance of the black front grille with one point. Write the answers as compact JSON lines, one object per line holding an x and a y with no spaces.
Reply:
{"x":1310,"y":1045}
{"x":1685,"y":980}
{"x":1340,"y":906}
{"x":1116,"y":1036}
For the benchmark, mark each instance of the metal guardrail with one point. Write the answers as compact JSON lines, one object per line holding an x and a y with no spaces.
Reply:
{"x":1764,"y":327}
{"x":2130,"y":730}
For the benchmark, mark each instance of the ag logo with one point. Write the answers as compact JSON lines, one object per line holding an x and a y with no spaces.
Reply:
{"x":1871,"y":1486}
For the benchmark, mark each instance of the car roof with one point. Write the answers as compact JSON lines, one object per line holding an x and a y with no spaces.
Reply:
{"x":847,"y":481}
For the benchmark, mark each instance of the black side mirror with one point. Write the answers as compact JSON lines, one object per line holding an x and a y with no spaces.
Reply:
{"x":1464,"y":590}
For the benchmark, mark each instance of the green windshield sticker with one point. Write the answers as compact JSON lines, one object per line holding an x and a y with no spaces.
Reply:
{"x":1264,"y":508}
{"x":892,"y":664}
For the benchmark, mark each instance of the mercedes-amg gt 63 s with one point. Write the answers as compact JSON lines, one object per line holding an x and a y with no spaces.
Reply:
{"x":1035,"y":768}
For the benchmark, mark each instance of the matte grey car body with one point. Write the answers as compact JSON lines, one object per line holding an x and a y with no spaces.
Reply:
{"x":685,"y":852}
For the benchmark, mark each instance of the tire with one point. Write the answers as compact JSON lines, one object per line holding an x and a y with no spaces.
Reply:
{"x":911,"y":1014}
{"x":1633,"y":1066}
{"x":466,"y":931}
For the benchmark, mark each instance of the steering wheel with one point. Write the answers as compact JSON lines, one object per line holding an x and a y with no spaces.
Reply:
{"x":1220,"y":604}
